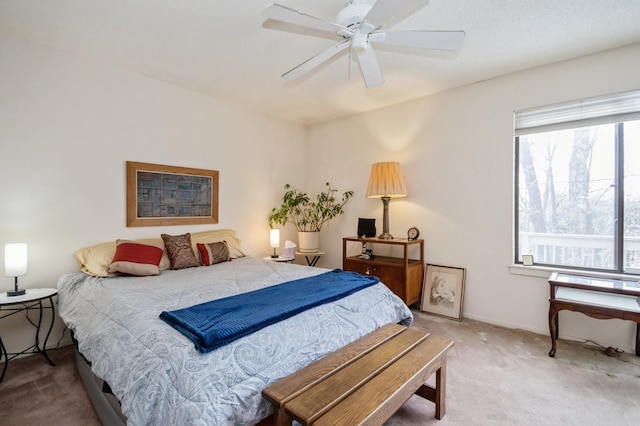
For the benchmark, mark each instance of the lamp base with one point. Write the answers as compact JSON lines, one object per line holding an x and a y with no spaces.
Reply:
{"x":385,"y":220}
{"x":16,"y":293}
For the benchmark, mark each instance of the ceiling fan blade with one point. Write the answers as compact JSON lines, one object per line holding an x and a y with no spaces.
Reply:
{"x":310,"y":64}
{"x":370,"y":68}
{"x":382,"y":11}
{"x":441,"y":40}
{"x":291,"y":16}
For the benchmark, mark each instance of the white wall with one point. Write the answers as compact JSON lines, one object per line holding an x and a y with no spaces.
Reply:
{"x":456,"y":150}
{"x":69,"y":124}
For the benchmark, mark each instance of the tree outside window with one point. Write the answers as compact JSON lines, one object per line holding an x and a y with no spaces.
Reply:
{"x":578,"y":196}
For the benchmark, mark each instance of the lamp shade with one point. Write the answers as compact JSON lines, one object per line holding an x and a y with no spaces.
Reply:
{"x":274,"y":238}
{"x":386,"y":180}
{"x":15,"y":259}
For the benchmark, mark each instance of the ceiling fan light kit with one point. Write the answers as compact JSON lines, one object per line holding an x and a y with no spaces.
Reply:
{"x":358,"y":25}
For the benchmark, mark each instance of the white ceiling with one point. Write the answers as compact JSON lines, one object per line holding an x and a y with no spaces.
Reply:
{"x":226,"y":49}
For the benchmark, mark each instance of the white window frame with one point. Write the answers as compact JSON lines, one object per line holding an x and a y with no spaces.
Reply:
{"x":607,"y":109}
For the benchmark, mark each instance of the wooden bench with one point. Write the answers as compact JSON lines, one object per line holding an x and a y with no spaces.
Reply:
{"x":364,"y":382}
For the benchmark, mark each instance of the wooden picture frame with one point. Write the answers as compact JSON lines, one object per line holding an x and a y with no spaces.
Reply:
{"x":443,"y":291}
{"x":159,"y":195}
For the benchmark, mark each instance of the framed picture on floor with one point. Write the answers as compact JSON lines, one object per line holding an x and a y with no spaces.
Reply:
{"x":443,"y":291}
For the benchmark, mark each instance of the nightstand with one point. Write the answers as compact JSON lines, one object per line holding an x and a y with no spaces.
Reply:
{"x":279,"y":259}
{"x":312,"y":258}
{"x":31,"y":300}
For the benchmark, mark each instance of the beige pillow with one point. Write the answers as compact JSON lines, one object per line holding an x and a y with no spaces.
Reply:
{"x":95,"y":260}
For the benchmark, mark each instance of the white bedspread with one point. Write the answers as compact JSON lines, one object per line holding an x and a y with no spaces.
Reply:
{"x":156,"y":372}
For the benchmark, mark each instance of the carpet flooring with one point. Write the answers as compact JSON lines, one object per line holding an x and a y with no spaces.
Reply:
{"x":36,"y":393}
{"x":495,"y":376}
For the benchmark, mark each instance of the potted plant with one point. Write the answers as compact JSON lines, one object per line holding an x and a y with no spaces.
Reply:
{"x":308,"y":215}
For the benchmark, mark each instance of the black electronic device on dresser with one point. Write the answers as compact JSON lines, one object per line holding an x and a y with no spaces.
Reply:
{"x":366,"y":227}
{"x":403,"y":274}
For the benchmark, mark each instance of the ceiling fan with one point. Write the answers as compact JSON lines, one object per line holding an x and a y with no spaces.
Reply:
{"x":358,"y":25}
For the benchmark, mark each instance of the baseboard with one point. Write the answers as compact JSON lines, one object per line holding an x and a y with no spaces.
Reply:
{"x":545,"y":332}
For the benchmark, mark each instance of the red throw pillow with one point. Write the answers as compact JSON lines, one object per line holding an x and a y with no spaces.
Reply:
{"x":136,"y":259}
{"x":212,"y":253}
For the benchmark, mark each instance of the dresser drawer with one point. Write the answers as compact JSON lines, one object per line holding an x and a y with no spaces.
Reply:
{"x":392,"y":277}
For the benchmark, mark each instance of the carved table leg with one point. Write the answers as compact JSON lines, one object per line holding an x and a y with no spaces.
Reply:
{"x":553,"y":328}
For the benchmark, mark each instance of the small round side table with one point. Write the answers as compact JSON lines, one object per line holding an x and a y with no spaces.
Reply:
{"x":312,"y":258}
{"x":279,"y":259}
{"x":32,"y":299}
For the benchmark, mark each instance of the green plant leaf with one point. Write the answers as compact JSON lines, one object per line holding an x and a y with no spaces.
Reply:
{"x":306,"y":215}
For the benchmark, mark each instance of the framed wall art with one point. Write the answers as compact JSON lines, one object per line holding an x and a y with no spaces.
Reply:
{"x":159,"y":195}
{"x":443,"y":291}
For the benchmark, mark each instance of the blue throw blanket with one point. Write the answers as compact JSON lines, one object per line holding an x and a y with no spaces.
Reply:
{"x":211,"y":325}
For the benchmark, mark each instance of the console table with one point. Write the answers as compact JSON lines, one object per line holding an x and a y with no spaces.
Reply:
{"x":600,"y":298}
{"x":403,"y":275}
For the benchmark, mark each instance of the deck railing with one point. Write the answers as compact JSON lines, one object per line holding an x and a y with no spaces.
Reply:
{"x":588,"y":251}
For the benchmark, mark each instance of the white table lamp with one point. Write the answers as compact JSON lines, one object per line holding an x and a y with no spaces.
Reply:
{"x":15,"y":264}
{"x":274,"y":238}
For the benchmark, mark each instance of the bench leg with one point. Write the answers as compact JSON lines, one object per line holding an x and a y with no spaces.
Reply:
{"x":441,"y":390}
{"x":437,"y":394}
{"x":280,"y":418}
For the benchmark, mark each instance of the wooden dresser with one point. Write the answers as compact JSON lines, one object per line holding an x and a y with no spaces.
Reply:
{"x":402,"y":273}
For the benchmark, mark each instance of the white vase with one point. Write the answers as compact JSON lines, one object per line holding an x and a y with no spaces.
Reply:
{"x":308,"y":242}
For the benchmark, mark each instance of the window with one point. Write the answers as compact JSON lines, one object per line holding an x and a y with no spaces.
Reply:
{"x":577,"y":189}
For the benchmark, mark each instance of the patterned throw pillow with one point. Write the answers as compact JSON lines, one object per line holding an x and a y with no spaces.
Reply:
{"x":213,"y":253}
{"x":179,"y":250}
{"x":136,"y":259}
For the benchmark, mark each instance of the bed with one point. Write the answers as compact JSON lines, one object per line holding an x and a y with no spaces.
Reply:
{"x":157,"y":374}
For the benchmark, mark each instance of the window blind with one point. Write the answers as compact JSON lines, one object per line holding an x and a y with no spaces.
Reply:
{"x":613,"y":108}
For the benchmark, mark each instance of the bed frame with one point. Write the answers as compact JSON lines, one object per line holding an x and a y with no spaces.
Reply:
{"x":105,"y":403}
